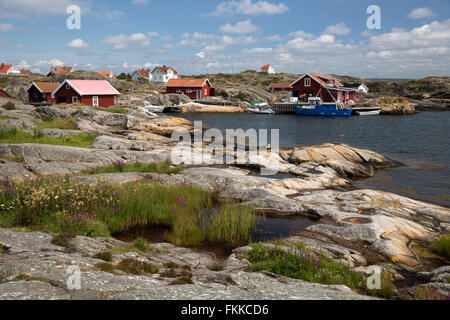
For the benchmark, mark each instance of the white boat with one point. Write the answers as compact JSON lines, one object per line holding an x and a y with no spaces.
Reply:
{"x":261,"y":110}
{"x":152,"y":108}
{"x":368,"y":113}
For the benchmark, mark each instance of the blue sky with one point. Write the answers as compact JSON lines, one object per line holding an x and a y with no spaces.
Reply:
{"x":202,"y":36}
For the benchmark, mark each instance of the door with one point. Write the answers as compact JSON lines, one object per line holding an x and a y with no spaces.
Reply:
{"x":95,"y":101}
{"x":62,"y":100}
{"x":199,"y":94}
{"x":74,"y":100}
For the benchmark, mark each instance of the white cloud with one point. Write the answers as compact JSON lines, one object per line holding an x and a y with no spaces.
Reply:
{"x":338,"y":29}
{"x":248,"y":7}
{"x":275,"y":38}
{"x":421,"y":13}
{"x":51,"y":62}
{"x":198,"y":36}
{"x":153,"y":34}
{"x":4,"y":27}
{"x":22,"y":64}
{"x":78,"y":43}
{"x":149,"y":65}
{"x":121,"y":42}
{"x":201,"y":55}
{"x":301,"y":34}
{"x":41,"y":7}
{"x":213,"y":65}
{"x":240,"y":27}
{"x":140,"y":2}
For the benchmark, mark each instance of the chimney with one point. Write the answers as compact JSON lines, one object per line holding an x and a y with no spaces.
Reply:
{"x":3,"y":64}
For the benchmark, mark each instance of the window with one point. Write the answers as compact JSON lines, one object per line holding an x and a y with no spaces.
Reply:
{"x":74,"y":100}
{"x":95,"y":101}
{"x":67,"y":86}
{"x":308,"y":82}
{"x":179,"y":91}
{"x":188,"y":91}
{"x":330,"y":82}
{"x":206,"y":92}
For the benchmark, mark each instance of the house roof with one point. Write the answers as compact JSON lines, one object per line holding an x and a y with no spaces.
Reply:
{"x":105,"y":73}
{"x":192,"y":83}
{"x":5,"y":67}
{"x":90,"y":87}
{"x":143,"y":73}
{"x":2,"y":92}
{"x":164,"y":69}
{"x":23,"y":71}
{"x":60,"y":70}
{"x":267,"y":66}
{"x":45,"y":87}
{"x":280,"y":85}
{"x":318,"y":77}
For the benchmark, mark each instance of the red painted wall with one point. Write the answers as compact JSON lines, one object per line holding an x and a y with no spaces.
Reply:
{"x":103,"y":101}
{"x":3,"y":94}
{"x":315,"y":90}
{"x":34,"y":95}
{"x":193,"y":94}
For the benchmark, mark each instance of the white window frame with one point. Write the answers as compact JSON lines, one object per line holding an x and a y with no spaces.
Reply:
{"x":307,"y":82}
{"x":67,"y":87}
{"x":179,"y":91}
{"x":93,"y":101}
{"x":206,"y":92}
{"x":74,"y":99}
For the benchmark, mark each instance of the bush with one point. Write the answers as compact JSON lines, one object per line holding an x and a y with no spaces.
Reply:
{"x":105,"y":256}
{"x":9,"y":106}
{"x":442,"y":246}
{"x":137,"y":267}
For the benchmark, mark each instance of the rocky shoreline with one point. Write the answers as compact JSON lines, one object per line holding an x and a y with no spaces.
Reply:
{"x":359,"y":228}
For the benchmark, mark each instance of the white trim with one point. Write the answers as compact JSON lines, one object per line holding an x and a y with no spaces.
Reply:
{"x":309,"y":82}
{"x":118,"y":93}
{"x":74,"y":97}
{"x":33,"y":84}
{"x":93,"y":104}
{"x":82,"y":94}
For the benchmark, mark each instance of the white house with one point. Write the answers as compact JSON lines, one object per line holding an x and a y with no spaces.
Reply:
{"x":139,"y":74}
{"x":268,"y":69}
{"x":164,"y":74}
{"x":363,"y":88}
{"x":9,"y":69}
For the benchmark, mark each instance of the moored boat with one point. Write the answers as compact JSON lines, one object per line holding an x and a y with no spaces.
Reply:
{"x":368,"y":113}
{"x":315,"y":107}
{"x":261,"y":110}
{"x":152,"y":108}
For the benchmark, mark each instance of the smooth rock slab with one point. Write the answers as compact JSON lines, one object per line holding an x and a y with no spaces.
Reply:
{"x":31,"y":290}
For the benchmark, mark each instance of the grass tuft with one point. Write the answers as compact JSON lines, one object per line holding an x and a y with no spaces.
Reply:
{"x":9,"y":106}
{"x":105,"y":266}
{"x":122,"y":166}
{"x":216,"y":267}
{"x":114,"y":110}
{"x":63,"y":124}
{"x":63,"y":240}
{"x":181,"y":281}
{"x":442,"y":246}
{"x":15,"y":136}
{"x":105,"y":256}
{"x":137,"y":267}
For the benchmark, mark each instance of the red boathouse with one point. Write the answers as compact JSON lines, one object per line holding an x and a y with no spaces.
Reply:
{"x":193,"y":88}
{"x":42,"y":92}
{"x":323,"y":86}
{"x":95,"y":93}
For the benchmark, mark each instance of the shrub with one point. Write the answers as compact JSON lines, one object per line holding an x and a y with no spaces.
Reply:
{"x":105,"y":256}
{"x":63,"y":240}
{"x":181,"y":281}
{"x":106,"y":267}
{"x":442,"y":246}
{"x":137,"y":267}
{"x":9,"y":106}
{"x":216,"y":267}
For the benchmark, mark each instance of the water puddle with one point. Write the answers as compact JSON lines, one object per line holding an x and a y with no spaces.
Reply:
{"x":269,"y":228}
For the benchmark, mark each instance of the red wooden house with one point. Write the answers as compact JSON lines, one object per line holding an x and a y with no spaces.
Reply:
{"x":276,"y":87}
{"x":42,"y":91}
{"x":96,"y":93}
{"x":193,"y":88}
{"x":323,"y":86}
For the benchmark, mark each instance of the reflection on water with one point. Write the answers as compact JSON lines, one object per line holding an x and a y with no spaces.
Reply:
{"x":269,"y":228}
{"x":420,"y":141}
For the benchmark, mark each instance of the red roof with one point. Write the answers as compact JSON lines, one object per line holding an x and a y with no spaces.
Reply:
{"x":60,"y":70}
{"x":90,"y":87}
{"x":164,"y":69}
{"x":23,"y":71}
{"x":4,"y":94}
{"x":144,"y":73}
{"x":45,"y":87}
{"x":266,"y":67}
{"x":105,"y":73}
{"x":5,"y":67}
{"x":319,"y":77}
{"x":191,"y":83}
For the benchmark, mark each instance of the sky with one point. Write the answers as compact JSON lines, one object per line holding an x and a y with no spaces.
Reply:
{"x":209,"y":36}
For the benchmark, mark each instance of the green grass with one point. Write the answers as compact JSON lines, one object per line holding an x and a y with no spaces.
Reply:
{"x":105,"y":256}
{"x":9,"y":106}
{"x":181,"y":281}
{"x":114,"y":110}
{"x":60,"y":205}
{"x":137,"y":267}
{"x":442,"y":246}
{"x":215,"y":267}
{"x":12,"y":135}
{"x":63,"y":124}
{"x":299,"y":264}
{"x":122,"y":166}
{"x":12,"y":159}
{"x":4,"y":117}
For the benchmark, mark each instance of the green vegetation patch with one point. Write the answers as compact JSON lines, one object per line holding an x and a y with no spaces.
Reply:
{"x":137,"y":267}
{"x":9,"y":106}
{"x":105,"y":256}
{"x":299,"y":264}
{"x":123,"y":166}
{"x":442,"y":246}
{"x":4,"y":117}
{"x":216,"y":267}
{"x":63,"y":124}
{"x":181,"y":281}
{"x":114,"y":110}
{"x":14,"y":136}
{"x":63,"y":205}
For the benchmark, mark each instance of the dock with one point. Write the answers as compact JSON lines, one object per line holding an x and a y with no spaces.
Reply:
{"x":283,"y":107}
{"x":217,"y":102}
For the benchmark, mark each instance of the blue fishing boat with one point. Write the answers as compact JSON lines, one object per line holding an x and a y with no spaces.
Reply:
{"x":315,"y":107}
